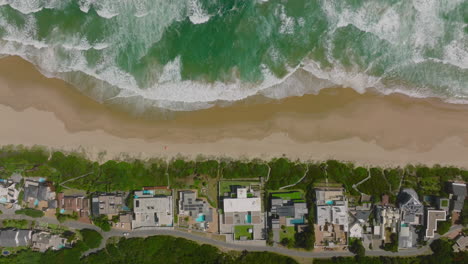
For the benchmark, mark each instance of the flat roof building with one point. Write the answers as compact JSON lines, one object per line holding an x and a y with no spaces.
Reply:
{"x":434,"y":216}
{"x":107,"y":204}
{"x":242,"y":206}
{"x":151,"y":211}
{"x":332,"y":217}
{"x":287,"y":212}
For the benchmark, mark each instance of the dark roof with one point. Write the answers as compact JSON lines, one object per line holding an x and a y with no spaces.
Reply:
{"x":362,"y":215}
{"x":36,"y":192}
{"x":285,"y":211}
{"x":458,"y":204}
{"x":52,"y":204}
{"x":459,"y":189}
{"x":209,"y":216}
{"x":30,"y":191}
{"x":42,"y":192}
{"x":95,"y":207}
{"x":14,"y":237}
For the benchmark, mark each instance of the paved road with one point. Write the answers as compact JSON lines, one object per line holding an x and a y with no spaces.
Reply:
{"x":178,"y":233}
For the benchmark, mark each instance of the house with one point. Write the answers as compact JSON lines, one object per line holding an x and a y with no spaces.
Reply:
{"x":387,"y":219}
{"x":8,"y":192}
{"x":287,"y":212}
{"x":358,"y":220}
{"x":39,"y":193}
{"x":411,"y":208}
{"x":42,"y":241}
{"x":461,"y":243}
{"x":356,"y":230}
{"x":459,"y":194}
{"x":125,"y":222}
{"x":198,"y":210}
{"x":69,"y":204}
{"x":287,"y":209}
{"x":151,"y":211}
{"x":332,"y":218}
{"x":411,"y":215}
{"x":109,"y":204}
{"x":434,"y":216}
{"x":190,"y":205}
{"x":242,"y":214}
{"x":15,"y":237}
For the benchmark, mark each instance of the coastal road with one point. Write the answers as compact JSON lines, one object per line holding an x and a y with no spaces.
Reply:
{"x":220,"y":244}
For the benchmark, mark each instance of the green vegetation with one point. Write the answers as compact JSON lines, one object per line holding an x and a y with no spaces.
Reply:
{"x":166,"y":249}
{"x":284,"y":172}
{"x":135,"y":174}
{"x":293,"y":195}
{"x":102,"y":222}
{"x":442,"y":249}
{"x":64,"y":217}
{"x":443,"y":227}
{"x":20,"y":224}
{"x":393,"y":245}
{"x":464,"y":214}
{"x":287,"y":236}
{"x":225,"y":186}
{"x":377,"y":184}
{"x":356,"y":247}
{"x":444,"y":203}
{"x":30,"y":212}
{"x":393,"y":177}
{"x":243,"y":231}
{"x":91,"y":238}
{"x":238,"y":169}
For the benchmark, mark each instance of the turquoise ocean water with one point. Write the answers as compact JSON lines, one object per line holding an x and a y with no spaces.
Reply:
{"x":192,"y":54}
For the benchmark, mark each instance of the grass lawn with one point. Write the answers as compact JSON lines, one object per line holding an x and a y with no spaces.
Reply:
{"x":444,"y":203}
{"x":289,"y":233}
{"x":30,"y":212}
{"x":293,"y":195}
{"x":241,"y":231}
{"x":20,"y":224}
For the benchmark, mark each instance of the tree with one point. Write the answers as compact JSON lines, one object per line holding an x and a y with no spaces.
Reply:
{"x":91,"y":238}
{"x":443,"y":227}
{"x":393,"y":245}
{"x":103,"y":222}
{"x":357,"y":248}
{"x":270,"y":237}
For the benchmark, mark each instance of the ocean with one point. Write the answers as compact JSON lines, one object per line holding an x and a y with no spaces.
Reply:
{"x":184,"y":55}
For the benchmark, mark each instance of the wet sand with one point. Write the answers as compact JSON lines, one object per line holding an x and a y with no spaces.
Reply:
{"x":338,"y":123}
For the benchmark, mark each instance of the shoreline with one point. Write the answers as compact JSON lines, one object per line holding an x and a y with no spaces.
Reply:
{"x":338,"y":123}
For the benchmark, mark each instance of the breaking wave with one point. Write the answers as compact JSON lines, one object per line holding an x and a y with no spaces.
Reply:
{"x":184,"y":55}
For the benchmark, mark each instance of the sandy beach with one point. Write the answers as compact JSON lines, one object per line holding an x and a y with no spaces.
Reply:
{"x":369,"y":129}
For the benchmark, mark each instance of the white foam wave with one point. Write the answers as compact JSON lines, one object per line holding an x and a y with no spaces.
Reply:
{"x":196,"y":13}
{"x":287,"y":22}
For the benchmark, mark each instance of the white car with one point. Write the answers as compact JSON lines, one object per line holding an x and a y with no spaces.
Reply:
{"x":126,"y":234}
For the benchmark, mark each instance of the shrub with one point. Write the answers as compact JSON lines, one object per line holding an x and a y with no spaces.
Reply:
{"x":443,"y":227}
{"x":30,"y":212}
{"x":91,"y":238}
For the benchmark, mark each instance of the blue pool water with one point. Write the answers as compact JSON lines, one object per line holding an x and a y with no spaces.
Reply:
{"x":248,"y":219}
{"x":200,"y":218}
